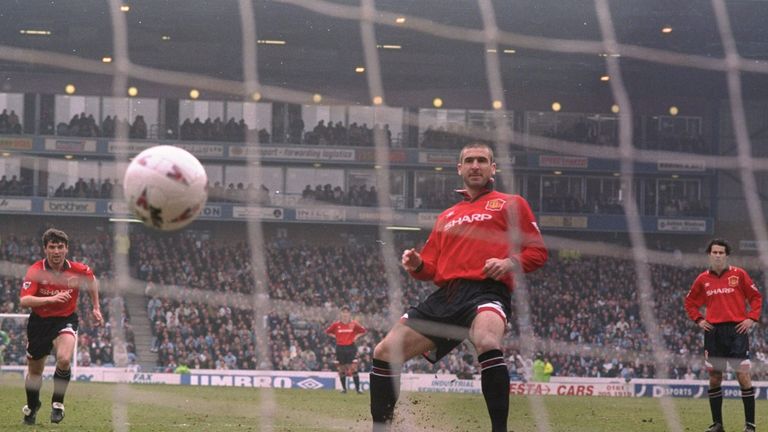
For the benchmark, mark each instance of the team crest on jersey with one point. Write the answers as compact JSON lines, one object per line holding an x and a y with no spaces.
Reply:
{"x":26,"y":285}
{"x":495,"y":204}
{"x":733,"y":281}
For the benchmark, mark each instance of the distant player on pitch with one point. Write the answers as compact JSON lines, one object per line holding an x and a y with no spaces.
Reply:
{"x":346,"y":332}
{"x":725,"y":290}
{"x":51,"y":288}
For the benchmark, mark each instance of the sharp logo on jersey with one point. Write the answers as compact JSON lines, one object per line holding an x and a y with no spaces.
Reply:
{"x":477,"y":217}
{"x":28,"y":284}
{"x":733,"y":281}
{"x":718,"y":291}
{"x":495,"y":204}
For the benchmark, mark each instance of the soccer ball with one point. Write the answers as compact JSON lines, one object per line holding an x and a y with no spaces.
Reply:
{"x":166,"y":187}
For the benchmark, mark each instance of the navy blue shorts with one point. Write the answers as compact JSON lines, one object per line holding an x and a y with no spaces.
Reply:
{"x":346,"y":354}
{"x":42,"y":331}
{"x":456,"y":305}
{"x":722,"y":344}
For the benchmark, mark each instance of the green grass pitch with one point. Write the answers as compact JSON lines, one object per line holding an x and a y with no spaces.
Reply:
{"x":92,"y":407}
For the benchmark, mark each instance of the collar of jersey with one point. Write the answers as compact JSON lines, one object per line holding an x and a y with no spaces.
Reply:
{"x":486,"y":189}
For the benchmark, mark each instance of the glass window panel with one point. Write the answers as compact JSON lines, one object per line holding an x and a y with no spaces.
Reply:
{"x":203,"y":110}
{"x":436,"y":190}
{"x":12,"y":106}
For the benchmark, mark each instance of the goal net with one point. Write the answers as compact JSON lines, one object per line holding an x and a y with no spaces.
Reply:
{"x":639,"y":145}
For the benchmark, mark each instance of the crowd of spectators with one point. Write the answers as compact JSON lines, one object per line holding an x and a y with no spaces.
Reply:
{"x":587,"y":304}
{"x":590,"y":302}
{"x":107,"y":189}
{"x":218,"y":130}
{"x":239,"y":193}
{"x":82,"y":125}
{"x":14,"y":186}
{"x":353,"y":135}
{"x":9,"y":123}
{"x":357,"y":195}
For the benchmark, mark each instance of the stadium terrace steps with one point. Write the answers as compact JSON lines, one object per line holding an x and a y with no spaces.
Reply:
{"x":137,"y":308}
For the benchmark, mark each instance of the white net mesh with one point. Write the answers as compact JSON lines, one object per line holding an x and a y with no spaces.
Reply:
{"x":262,"y":286}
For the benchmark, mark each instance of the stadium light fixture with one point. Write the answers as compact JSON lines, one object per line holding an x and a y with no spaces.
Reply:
{"x":34,"y":32}
{"x":165,"y":37}
{"x":402,"y":228}
{"x":68,"y":157}
{"x":70,"y":89}
{"x":317,"y":164}
{"x":615,"y":109}
{"x":106,"y":59}
{"x":605,"y":78}
{"x":616,"y":174}
{"x":673,"y":111}
{"x":194,"y":94}
{"x":391,"y":47}
{"x":125,"y":8}
{"x":6,"y":154}
{"x":256,"y":96}
{"x":556,"y":107}
{"x":490,"y":50}
{"x":509,"y":51}
{"x":557,"y":172}
{"x":497,"y":105}
{"x":317,"y":98}
{"x":437,"y":102}
{"x":438,"y":168}
{"x":378,"y":100}
{"x":359,"y":69}
{"x":666,"y":29}
{"x":129,"y":220}
{"x":133,"y":91}
{"x":675,"y":176}
{"x":270,"y":42}
{"x":400,"y":20}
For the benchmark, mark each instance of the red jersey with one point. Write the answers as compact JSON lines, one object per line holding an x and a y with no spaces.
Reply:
{"x":725,"y":296}
{"x":42,"y":281}
{"x":473,"y":231}
{"x":345,"y":333}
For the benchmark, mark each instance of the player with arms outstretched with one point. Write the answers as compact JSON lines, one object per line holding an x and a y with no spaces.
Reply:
{"x":51,"y":288}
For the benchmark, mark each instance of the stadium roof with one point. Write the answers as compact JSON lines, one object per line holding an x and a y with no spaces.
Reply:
{"x":301,"y":47}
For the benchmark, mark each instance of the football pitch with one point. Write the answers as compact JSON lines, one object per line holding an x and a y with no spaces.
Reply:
{"x":92,"y":407}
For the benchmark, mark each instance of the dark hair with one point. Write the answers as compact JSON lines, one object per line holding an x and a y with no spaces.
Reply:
{"x":719,"y":242}
{"x":345,"y":308}
{"x":476,"y":144}
{"x":53,"y":235}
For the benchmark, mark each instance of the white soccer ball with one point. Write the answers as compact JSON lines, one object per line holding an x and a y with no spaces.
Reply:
{"x":166,"y":187}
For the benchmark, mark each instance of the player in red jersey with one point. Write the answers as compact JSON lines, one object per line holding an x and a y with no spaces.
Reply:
{"x":725,"y":290}
{"x":469,"y":255}
{"x":51,"y":288}
{"x":346,"y":332}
